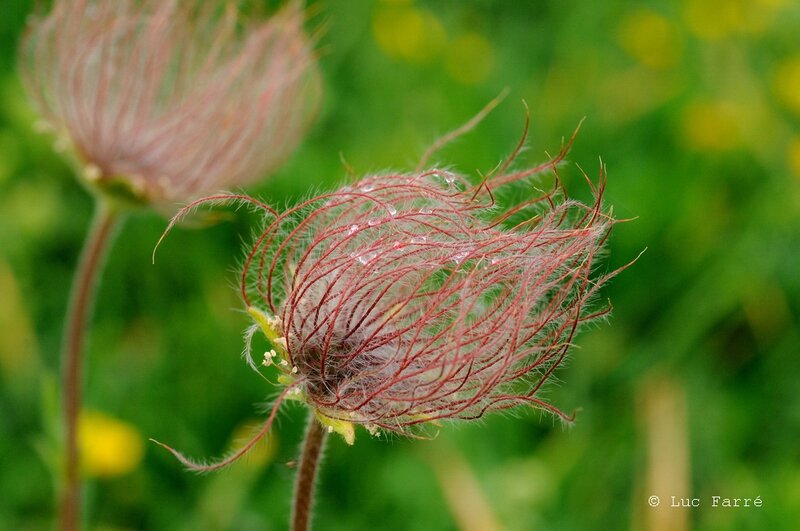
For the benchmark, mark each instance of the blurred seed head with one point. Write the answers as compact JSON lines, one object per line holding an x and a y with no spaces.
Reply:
{"x":166,"y":100}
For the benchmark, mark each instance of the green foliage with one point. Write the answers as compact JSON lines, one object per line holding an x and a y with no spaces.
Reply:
{"x":688,"y":105}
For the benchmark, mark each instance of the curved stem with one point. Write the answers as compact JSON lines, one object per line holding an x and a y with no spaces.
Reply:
{"x":80,"y":306}
{"x":310,"y":455}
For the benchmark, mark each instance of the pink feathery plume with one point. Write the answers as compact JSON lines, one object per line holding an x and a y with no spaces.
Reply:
{"x":410,"y":298}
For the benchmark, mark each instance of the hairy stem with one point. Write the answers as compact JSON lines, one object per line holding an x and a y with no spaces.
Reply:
{"x":310,"y":455}
{"x":80,"y":306}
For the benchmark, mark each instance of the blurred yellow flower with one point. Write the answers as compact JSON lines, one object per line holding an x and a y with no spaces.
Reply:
{"x":711,"y":126}
{"x":650,"y":38}
{"x":405,"y":32}
{"x":626,"y":95}
{"x":794,"y":156}
{"x":109,"y":447}
{"x":718,"y":19}
{"x":469,"y":59}
{"x":786,"y":83}
{"x":766,"y":308}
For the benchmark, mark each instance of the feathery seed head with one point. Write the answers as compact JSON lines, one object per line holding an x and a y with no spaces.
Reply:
{"x":165,"y":100}
{"x":406,"y":299}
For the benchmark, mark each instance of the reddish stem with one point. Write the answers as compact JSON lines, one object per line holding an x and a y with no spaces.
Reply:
{"x":80,"y":306}
{"x":310,"y":455}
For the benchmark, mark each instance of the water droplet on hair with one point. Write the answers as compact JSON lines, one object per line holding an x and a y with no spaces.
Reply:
{"x":353,"y":229}
{"x":425,"y":211}
{"x":392,"y":210}
{"x":364,"y":258}
{"x":458,"y":258}
{"x":419,"y":240}
{"x":372,"y":222}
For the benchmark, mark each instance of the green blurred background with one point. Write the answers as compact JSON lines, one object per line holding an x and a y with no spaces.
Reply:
{"x":691,"y":390}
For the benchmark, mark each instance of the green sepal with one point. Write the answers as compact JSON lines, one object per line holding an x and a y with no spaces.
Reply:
{"x":342,"y":427}
{"x":122,"y":191}
{"x":295,"y":394}
{"x":270,"y":330}
{"x":285,"y":379}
